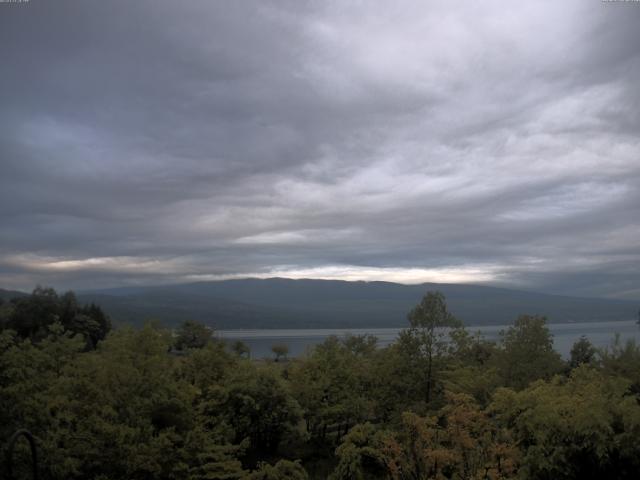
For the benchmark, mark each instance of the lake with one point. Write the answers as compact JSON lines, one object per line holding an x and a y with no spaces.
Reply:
{"x":299,"y":341}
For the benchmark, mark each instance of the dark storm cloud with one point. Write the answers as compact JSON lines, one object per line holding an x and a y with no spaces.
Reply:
{"x":151,"y":142}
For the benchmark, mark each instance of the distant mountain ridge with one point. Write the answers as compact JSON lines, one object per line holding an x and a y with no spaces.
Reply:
{"x":309,"y":303}
{"x":9,"y":294}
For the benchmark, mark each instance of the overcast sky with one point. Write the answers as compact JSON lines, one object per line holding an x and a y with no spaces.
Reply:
{"x":147,"y":142}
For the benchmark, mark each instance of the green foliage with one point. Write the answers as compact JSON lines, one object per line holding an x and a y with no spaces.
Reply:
{"x":424,"y":343}
{"x":207,"y":455}
{"x":258,"y":406}
{"x":25,"y":373}
{"x":207,"y":367}
{"x":361,"y":456}
{"x":283,"y":470}
{"x":471,"y":366}
{"x":582,"y":427}
{"x":240,"y":348}
{"x":527,"y":352}
{"x":6,"y":312}
{"x":192,"y":334}
{"x":280,"y":350}
{"x":459,"y":442}
{"x":582,"y":353}
{"x":123,"y":411}
{"x":438,"y":403}
{"x":31,"y":316}
{"x":120,"y":410}
{"x":622,"y":360}
{"x":333,"y":387}
{"x":361,"y":345}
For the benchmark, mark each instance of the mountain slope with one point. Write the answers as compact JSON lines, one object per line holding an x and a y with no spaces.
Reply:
{"x":9,"y":294}
{"x":286,"y":303}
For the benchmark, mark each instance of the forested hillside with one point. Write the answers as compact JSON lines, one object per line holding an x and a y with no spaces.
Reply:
{"x":9,"y":294}
{"x":439,"y":403}
{"x":286,"y":303}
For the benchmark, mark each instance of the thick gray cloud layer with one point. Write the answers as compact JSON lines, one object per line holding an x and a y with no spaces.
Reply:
{"x":157,"y":141}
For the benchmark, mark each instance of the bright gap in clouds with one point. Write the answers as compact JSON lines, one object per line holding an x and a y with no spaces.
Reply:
{"x":180,"y":270}
{"x":370,"y":274}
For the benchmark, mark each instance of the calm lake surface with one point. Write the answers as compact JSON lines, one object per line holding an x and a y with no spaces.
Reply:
{"x":299,"y":341}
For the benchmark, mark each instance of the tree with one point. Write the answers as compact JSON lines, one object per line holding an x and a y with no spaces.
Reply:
{"x":240,"y":348}
{"x":258,"y":406}
{"x":208,"y":366}
{"x":31,"y":316}
{"x":88,"y":320}
{"x":333,"y":388}
{"x":208,"y":455}
{"x":6,"y":311}
{"x":100,"y":325}
{"x":582,"y":352}
{"x":476,"y":446}
{"x":527,"y":352}
{"x":283,"y":470}
{"x":192,"y":334}
{"x":61,"y":346}
{"x":280,"y":350}
{"x":584,"y":427}
{"x":426,"y":338}
{"x":25,"y":374}
{"x":623,"y":360}
{"x":471,"y":366}
{"x":459,"y":442}
{"x":361,"y":345}
{"x":362,"y":454}
{"x":123,"y":412}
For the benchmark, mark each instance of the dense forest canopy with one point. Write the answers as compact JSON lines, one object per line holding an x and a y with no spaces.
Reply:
{"x":31,"y":316}
{"x":440,"y":402}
